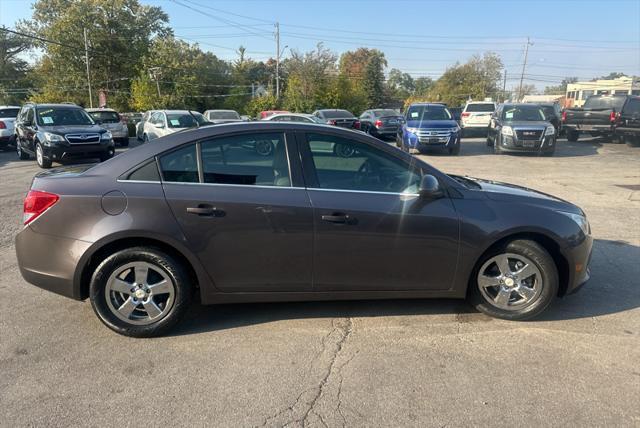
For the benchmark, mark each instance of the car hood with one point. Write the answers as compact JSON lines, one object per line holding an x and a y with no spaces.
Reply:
{"x":430,"y":124}
{"x":527,"y":124}
{"x":506,"y":192}
{"x":70,"y":129}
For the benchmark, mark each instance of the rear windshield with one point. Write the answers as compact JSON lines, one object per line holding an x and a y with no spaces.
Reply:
{"x":63,"y":116}
{"x":176,"y":120}
{"x":549,"y":111}
{"x":105,"y":116}
{"x":9,"y":112}
{"x":221,"y":115}
{"x":482,"y":107}
{"x":432,"y":112}
{"x":385,"y":113}
{"x":522,"y":113}
{"x":337,"y":114}
{"x":605,"y":102}
{"x":199,"y":118}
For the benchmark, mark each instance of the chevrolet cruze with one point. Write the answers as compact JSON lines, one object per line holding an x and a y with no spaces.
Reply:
{"x":202,"y":212}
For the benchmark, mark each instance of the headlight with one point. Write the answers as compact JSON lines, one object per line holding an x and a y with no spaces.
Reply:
{"x":50,"y":138}
{"x":580,"y":221}
{"x":507,"y":130}
{"x":456,"y":129}
{"x":550,"y":130}
{"x":106,"y":136}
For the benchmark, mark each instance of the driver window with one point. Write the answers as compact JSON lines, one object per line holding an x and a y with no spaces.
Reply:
{"x":344,"y":164}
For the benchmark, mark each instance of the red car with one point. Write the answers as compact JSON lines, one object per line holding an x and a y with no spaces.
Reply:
{"x":267,"y":113}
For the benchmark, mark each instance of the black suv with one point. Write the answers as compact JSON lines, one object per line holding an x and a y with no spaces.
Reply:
{"x":56,"y":132}
{"x":627,"y":122}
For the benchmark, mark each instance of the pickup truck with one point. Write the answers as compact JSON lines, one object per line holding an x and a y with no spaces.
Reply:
{"x":597,"y":117}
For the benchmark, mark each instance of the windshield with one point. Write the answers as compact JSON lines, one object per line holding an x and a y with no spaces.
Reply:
{"x":428,"y":112}
{"x":481,"y":107}
{"x":337,"y":114}
{"x":200,"y":118}
{"x":218,"y":115}
{"x":605,"y":103}
{"x":522,"y":113}
{"x":58,"y":116}
{"x":176,"y":120}
{"x":9,"y":112}
{"x":549,"y":111}
{"x":105,"y":116}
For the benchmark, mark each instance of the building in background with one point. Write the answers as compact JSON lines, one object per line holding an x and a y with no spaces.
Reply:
{"x":577,"y":93}
{"x":544,"y":99}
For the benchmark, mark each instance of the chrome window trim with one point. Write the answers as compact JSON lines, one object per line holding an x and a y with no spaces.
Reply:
{"x":119,"y":180}
{"x":363,"y":191}
{"x":244,"y":186}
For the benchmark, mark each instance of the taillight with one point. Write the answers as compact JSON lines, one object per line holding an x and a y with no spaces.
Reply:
{"x":378,"y":123}
{"x":564,"y":116}
{"x":331,"y":122}
{"x":612,"y":117}
{"x":2,"y":125}
{"x":36,"y":203}
{"x":465,"y":114}
{"x":357,"y":124}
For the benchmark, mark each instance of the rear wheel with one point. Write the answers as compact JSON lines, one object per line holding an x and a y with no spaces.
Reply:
{"x":41,"y":160}
{"x":572,"y":135}
{"x":21,"y":154}
{"x":515,"y":282}
{"x":140,"y":292}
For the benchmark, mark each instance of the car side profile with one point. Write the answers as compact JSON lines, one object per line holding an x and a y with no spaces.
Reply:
{"x":165,"y":122}
{"x":381,"y":123}
{"x":202,"y":212}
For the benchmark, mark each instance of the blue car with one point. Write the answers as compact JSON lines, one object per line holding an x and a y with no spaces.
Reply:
{"x":430,"y":126}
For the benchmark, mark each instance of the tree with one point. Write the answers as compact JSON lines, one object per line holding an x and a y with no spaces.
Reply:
{"x":373,"y":84}
{"x":310,"y":75}
{"x":119,"y":32}
{"x":560,"y":89}
{"x":423,"y":85}
{"x":610,"y":76}
{"x":13,"y":69}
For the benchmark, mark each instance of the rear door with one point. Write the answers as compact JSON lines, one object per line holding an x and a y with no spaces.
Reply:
{"x":372,"y":231}
{"x":631,"y":117}
{"x":244,"y":214}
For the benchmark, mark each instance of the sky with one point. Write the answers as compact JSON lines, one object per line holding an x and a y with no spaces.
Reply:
{"x":584,"y":38}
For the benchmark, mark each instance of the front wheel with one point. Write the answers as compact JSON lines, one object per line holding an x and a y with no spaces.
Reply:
{"x":140,"y":292}
{"x":41,"y":160}
{"x":455,"y":150}
{"x":514,"y":282}
{"x":107,"y":155}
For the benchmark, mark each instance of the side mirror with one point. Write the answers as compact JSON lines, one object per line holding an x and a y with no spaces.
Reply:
{"x":430,"y":188}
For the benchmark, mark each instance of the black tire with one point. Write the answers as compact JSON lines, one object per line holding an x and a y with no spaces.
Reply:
{"x":542,"y":261}
{"x":182,"y":286}
{"x":496,"y":147}
{"x":632,"y":141}
{"x":455,"y":150}
{"x":145,"y":138}
{"x":489,"y":142}
{"x":549,"y":153}
{"x":21,"y":154}
{"x":572,"y":135}
{"x":124,"y":143}
{"x":108,"y":154}
{"x":42,"y":161}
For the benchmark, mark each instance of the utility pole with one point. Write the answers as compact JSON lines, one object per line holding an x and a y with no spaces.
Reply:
{"x":154,"y":72}
{"x":277,"y":24}
{"x":524,"y":65}
{"x":86,"y":58}
{"x":504,"y":87}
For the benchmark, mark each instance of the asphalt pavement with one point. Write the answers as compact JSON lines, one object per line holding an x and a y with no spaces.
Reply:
{"x":361,"y":363}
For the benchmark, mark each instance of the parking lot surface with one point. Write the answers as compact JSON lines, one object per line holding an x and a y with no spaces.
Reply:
{"x":361,"y":363}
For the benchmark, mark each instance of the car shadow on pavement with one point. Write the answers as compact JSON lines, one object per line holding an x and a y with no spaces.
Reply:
{"x":613,"y":288}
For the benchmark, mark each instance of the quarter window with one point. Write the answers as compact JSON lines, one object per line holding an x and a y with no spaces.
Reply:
{"x":180,"y":166}
{"x":147,"y":172}
{"x":249,"y":159}
{"x":345,"y":164}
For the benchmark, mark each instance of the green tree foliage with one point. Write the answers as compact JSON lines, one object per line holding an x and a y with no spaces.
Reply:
{"x":14,"y":83}
{"x":400,"y":85}
{"x":119,"y":32}
{"x":310,"y":77}
{"x":365,"y":69}
{"x":373,"y":83}
{"x":258,"y":104}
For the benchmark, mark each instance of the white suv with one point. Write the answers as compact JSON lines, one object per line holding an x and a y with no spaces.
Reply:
{"x":476,"y":116}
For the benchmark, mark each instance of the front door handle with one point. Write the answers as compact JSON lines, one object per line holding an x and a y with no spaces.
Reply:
{"x":204,"y":210}
{"x":339,"y":218}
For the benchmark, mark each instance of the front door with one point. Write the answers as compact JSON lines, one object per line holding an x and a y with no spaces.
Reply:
{"x":372,"y":231}
{"x":240,"y":213}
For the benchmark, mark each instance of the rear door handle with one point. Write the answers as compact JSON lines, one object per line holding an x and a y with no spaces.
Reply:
{"x":339,"y":218}
{"x":204,"y":210}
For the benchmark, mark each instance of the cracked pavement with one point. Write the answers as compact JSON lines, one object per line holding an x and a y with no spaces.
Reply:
{"x":360,"y":363}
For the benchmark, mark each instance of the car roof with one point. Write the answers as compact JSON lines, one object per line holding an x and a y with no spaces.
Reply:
{"x":290,"y":114}
{"x":428,"y":104}
{"x":220,"y":109}
{"x":174,"y":111}
{"x":92,"y":110}
{"x":9,"y":106}
{"x":483,"y":102}
{"x":55,"y":105}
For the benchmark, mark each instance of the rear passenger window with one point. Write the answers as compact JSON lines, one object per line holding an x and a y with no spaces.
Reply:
{"x":249,"y":159}
{"x":180,"y":166}
{"x":147,"y":172}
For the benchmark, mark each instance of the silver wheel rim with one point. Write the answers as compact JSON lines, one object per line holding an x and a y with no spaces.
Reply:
{"x":264,"y":148}
{"x":140,"y":293}
{"x":39,"y":155}
{"x":18,"y":149}
{"x":510,"y":281}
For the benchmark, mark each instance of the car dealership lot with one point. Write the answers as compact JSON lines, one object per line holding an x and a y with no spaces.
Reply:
{"x":392,"y":363}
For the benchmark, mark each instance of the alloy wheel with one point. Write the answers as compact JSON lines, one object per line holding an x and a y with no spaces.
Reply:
{"x":510,"y":281}
{"x":39,"y":155}
{"x":140,"y":293}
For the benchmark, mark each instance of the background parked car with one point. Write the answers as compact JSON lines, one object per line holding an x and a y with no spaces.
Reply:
{"x":222,"y":116}
{"x":429,"y":126}
{"x":521,"y":128}
{"x":456,"y":112}
{"x":200,"y":118}
{"x":55,"y":132}
{"x":266,"y":113}
{"x":165,"y":122}
{"x":476,"y":116}
{"x":337,"y":117}
{"x":381,"y":123}
{"x":293,"y":117}
{"x":596,"y":117}
{"x":111,"y":121}
{"x":627,"y":124}
{"x":552,"y":114}
{"x":8,"y":116}
{"x":140,"y":125}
